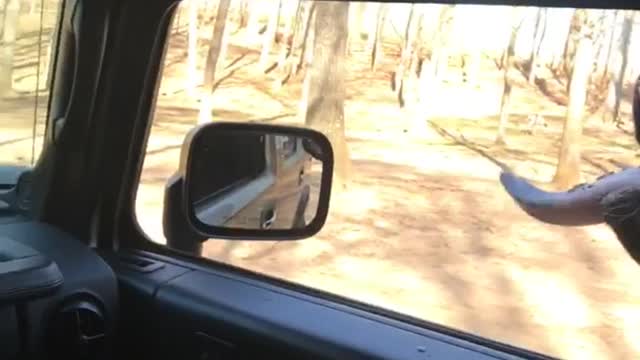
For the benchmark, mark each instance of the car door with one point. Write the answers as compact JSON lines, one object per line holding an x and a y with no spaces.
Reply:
{"x":166,"y":303}
{"x":283,"y":204}
{"x":177,"y":304}
{"x":262,"y":187}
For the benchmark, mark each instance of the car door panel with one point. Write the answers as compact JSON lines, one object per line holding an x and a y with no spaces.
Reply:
{"x":270,"y":199}
{"x":190,"y":310}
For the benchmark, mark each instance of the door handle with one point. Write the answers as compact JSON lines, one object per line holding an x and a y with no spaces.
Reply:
{"x":268,"y":218}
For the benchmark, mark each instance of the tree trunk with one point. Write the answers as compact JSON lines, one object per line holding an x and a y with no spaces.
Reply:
{"x":32,"y":6}
{"x":413,"y":86}
{"x":306,"y":61}
{"x":372,"y":24}
{"x":537,"y":41}
{"x":291,"y":35}
{"x":243,"y":14}
{"x":307,"y":39}
{"x":607,"y":63}
{"x":253,"y":23}
{"x":299,"y":27}
{"x":216,"y":44}
{"x":325,"y":110}
{"x":543,"y":32}
{"x":567,"y":56}
{"x":176,"y":23}
{"x":428,"y":79}
{"x":398,"y":80}
{"x":410,"y":89}
{"x":625,"y":39}
{"x":285,"y":45}
{"x":7,"y":48}
{"x":507,"y":63}
{"x":376,"y":38}
{"x":356,"y":14}
{"x":50,"y":52}
{"x":269,"y":36}
{"x":215,"y":49}
{"x":416,"y":46}
{"x":3,"y":15}
{"x":568,"y":170}
{"x":192,"y":49}
{"x":442,"y":50}
{"x":570,"y":46}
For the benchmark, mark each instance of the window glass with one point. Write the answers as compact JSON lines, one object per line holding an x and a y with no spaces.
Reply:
{"x":243,"y":167}
{"x":436,"y":101}
{"x":27,"y":31}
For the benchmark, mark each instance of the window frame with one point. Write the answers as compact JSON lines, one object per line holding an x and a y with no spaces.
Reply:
{"x":129,"y":235}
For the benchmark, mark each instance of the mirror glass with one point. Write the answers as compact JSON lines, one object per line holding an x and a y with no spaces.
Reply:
{"x":255,"y":180}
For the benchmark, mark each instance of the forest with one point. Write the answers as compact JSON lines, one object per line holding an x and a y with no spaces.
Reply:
{"x":312,"y":43}
{"x":425,"y":104}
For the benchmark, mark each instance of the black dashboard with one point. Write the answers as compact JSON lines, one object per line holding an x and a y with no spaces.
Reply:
{"x":58,"y":298}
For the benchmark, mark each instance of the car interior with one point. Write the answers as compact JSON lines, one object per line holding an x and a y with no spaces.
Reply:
{"x":79,"y":279}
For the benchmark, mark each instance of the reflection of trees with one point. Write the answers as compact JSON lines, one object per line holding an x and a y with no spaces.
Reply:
{"x":325,"y":109}
{"x":9,"y":32}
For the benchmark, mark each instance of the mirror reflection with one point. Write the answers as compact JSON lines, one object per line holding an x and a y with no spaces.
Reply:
{"x":255,"y":180}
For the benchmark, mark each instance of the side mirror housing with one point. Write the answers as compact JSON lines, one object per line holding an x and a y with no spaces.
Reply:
{"x":248,"y":182}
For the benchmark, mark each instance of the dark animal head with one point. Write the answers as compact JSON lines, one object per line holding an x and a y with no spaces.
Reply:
{"x":636,"y":109}
{"x":582,"y":205}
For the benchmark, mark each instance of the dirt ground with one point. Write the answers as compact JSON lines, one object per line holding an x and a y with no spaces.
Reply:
{"x":425,"y":228}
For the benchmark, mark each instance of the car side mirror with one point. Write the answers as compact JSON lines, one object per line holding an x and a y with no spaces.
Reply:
{"x":249,"y":182}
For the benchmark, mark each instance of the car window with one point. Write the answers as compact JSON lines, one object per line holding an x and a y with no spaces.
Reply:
{"x":27,"y":31}
{"x":242,"y":167}
{"x":426,"y":105}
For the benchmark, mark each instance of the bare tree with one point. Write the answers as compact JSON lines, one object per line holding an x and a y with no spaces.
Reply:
{"x":299,"y":25}
{"x":441,"y":49}
{"x":33,"y":4}
{"x":325,"y":110}
{"x":253,"y":22}
{"x":50,"y":51}
{"x":538,"y":37}
{"x":410,"y":90}
{"x":578,"y":20}
{"x":216,"y":45}
{"x":3,"y":13}
{"x":602,"y":43}
{"x":306,"y":61}
{"x":357,"y":12}
{"x":611,"y":41}
{"x":405,"y":56}
{"x":376,"y":36}
{"x":507,"y":65}
{"x":215,"y":49}
{"x":299,"y":30}
{"x":192,"y":48}
{"x":286,"y":40}
{"x":8,"y":46}
{"x":417,"y":44}
{"x":243,"y":14}
{"x":432,"y":70}
{"x":568,"y":170}
{"x":625,"y":40}
{"x":307,"y":39}
{"x":269,"y":35}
